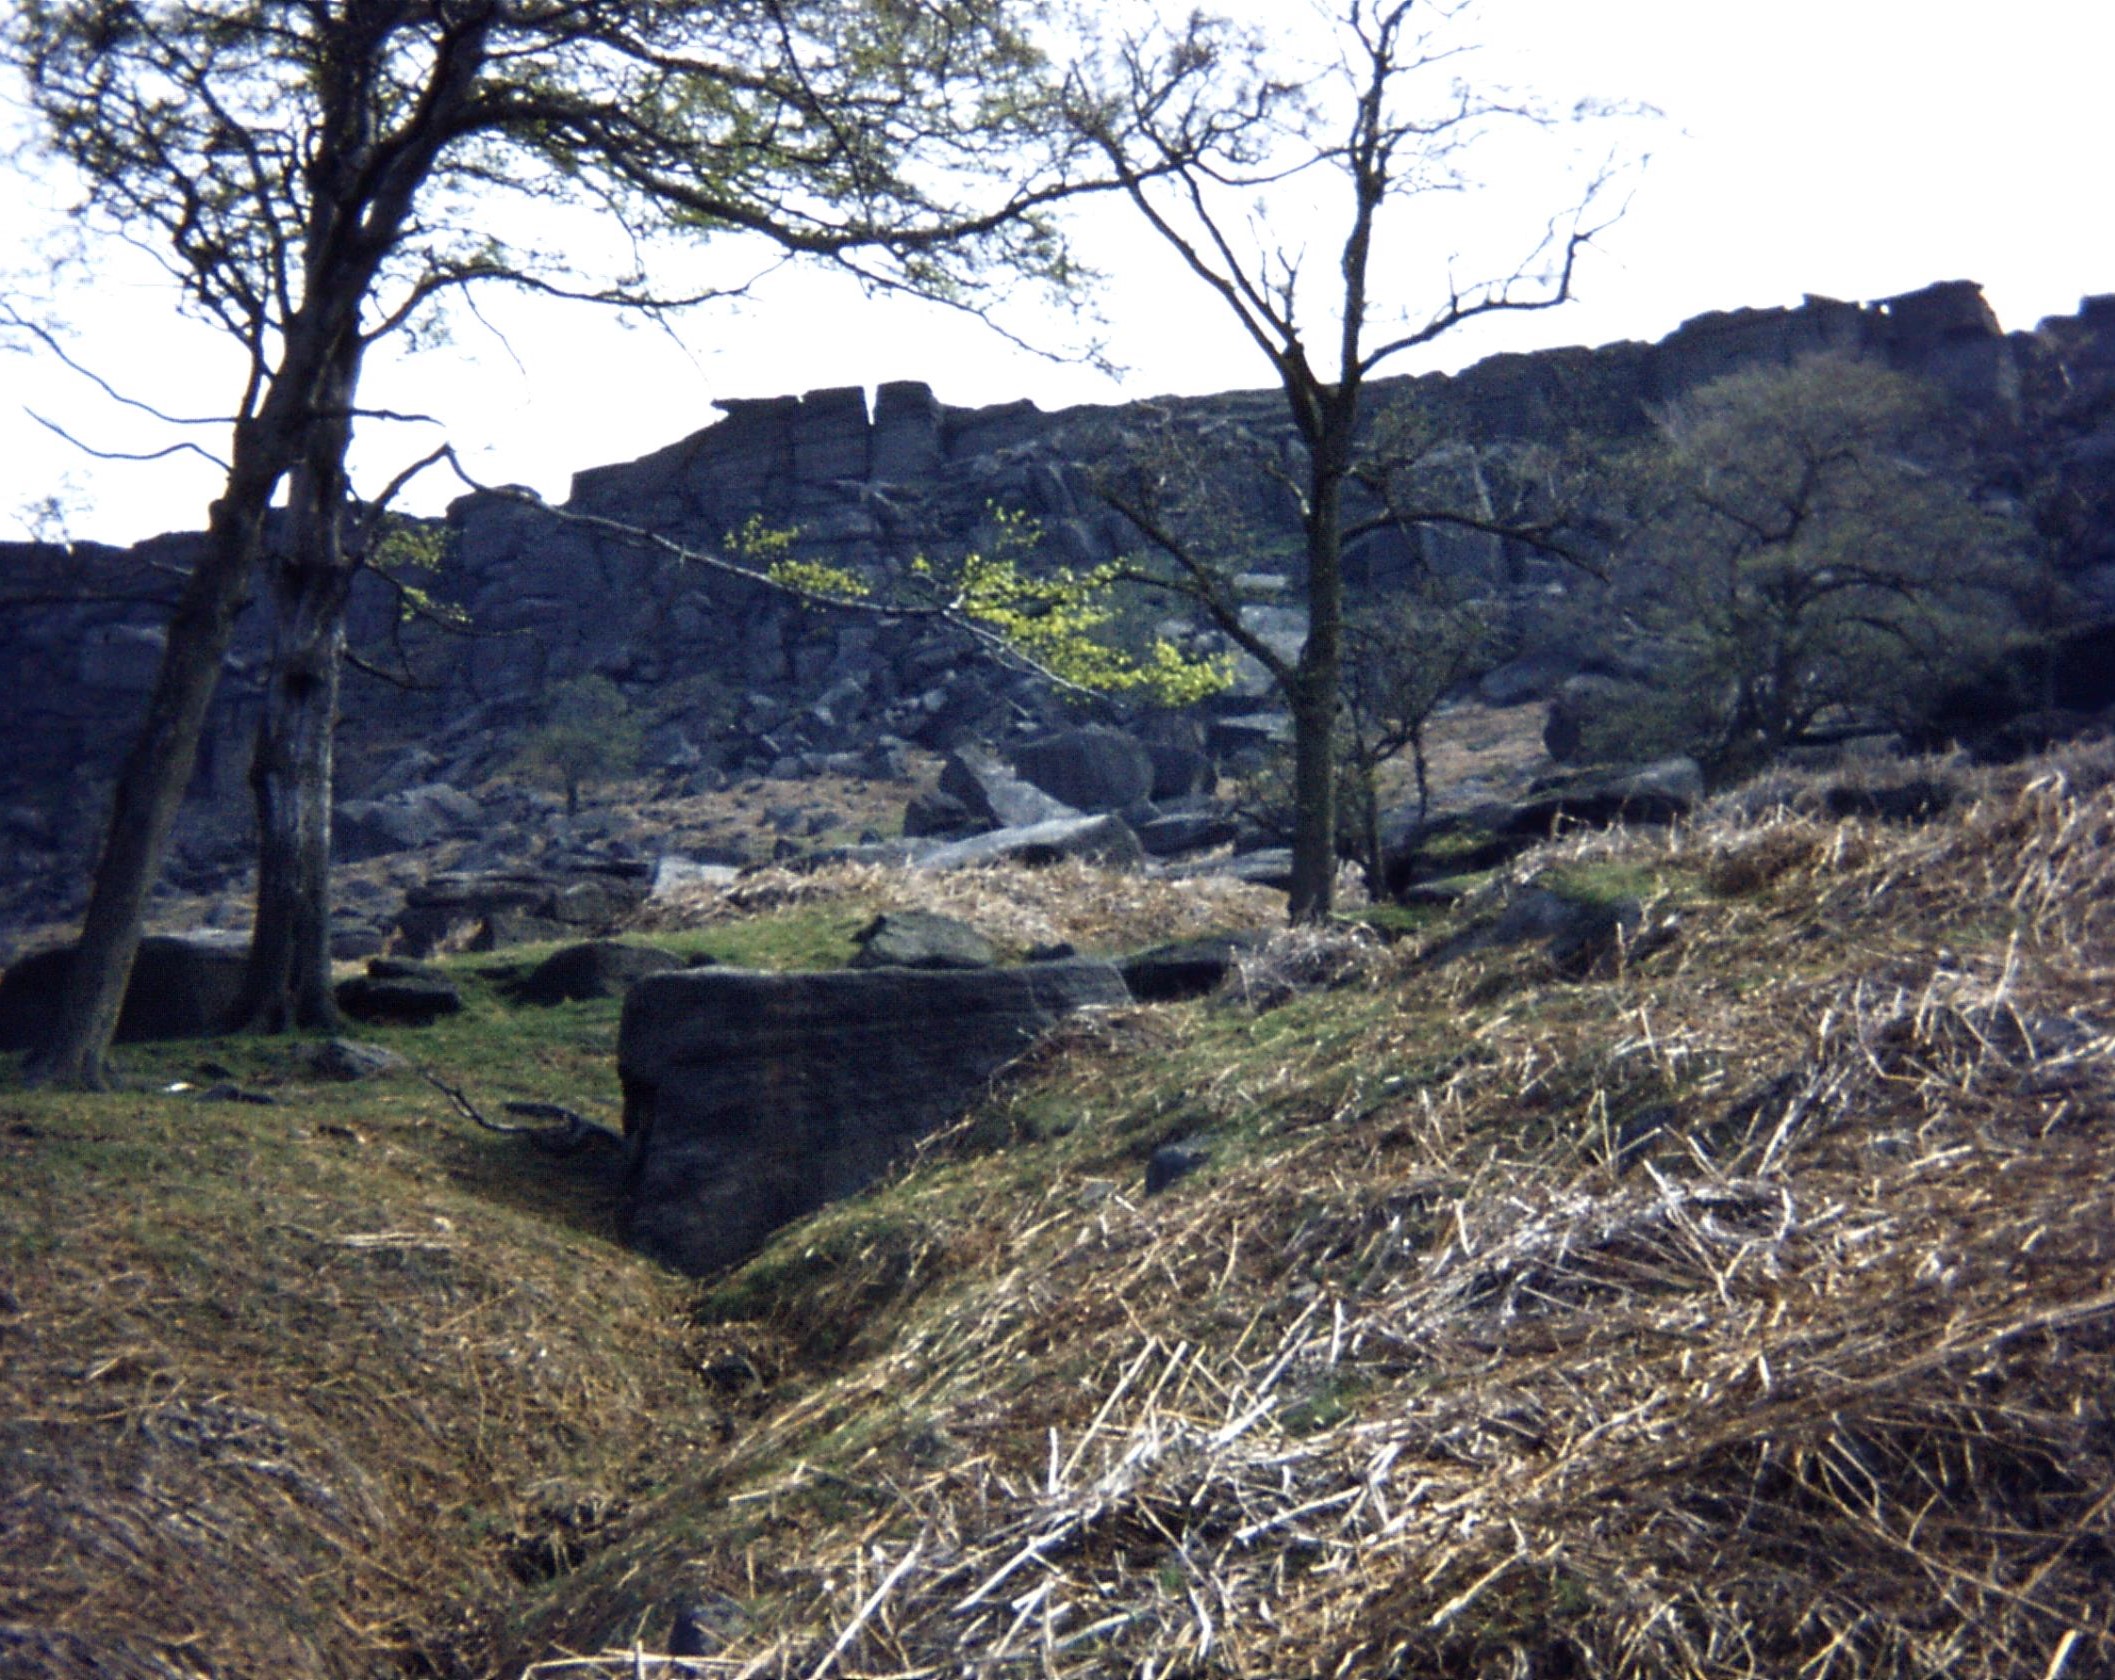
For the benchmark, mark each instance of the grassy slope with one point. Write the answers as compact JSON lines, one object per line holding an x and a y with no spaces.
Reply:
{"x":1409,"y":1378}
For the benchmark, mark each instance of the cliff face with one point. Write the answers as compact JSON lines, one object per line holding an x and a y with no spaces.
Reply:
{"x":748,"y":683}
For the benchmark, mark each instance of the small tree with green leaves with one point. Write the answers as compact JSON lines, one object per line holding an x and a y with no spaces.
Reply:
{"x":1809,"y":555}
{"x":589,"y":734}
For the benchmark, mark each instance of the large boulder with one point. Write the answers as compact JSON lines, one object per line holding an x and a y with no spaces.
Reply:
{"x":597,"y":968}
{"x":921,"y":939}
{"x":993,"y":795}
{"x":183,"y":985}
{"x":752,"y":1098}
{"x":399,"y":993}
{"x":419,"y":816}
{"x":1108,"y":841}
{"x":1090,"y":769}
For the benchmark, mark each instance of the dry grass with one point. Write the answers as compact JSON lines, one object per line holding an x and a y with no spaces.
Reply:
{"x":286,"y":1391}
{"x":1744,"y":1313}
{"x":1074,"y":903}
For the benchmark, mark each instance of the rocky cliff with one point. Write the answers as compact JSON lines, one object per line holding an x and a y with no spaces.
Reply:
{"x":739,"y":681}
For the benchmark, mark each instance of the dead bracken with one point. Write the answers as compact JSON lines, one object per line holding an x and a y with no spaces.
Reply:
{"x":1739,"y":1306}
{"x":1447,"y":1369}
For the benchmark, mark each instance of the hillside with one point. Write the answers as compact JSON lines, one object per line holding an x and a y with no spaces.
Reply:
{"x":731,"y":683}
{"x":1724,"y":1289}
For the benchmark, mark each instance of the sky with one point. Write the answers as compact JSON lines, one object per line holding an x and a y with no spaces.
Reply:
{"x":1855,"y":148}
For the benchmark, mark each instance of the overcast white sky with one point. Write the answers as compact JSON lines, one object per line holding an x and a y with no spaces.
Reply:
{"x":1854,"y":148}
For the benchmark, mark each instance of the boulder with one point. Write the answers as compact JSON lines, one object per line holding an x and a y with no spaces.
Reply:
{"x":1248,"y":741}
{"x":1090,"y":769}
{"x":514,"y":907}
{"x":347,"y":1060}
{"x":1657,"y":793}
{"x":399,"y":993}
{"x":993,"y":795}
{"x":1267,"y":866}
{"x":1189,"y":968}
{"x":183,"y":985}
{"x":419,"y":816}
{"x":1466,"y":842}
{"x":1181,"y":768}
{"x":921,"y":939}
{"x":600,"y":968}
{"x":1577,"y":934}
{"x":1174,"y":832}
{"x":752,"y":1098}
{"x":1172,"y":1162}
{"x":933,"y":814}
{"x":674,"y":875}
{"x":1105,"y":840}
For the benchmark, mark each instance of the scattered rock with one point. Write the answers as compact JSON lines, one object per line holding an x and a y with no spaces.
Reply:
{"x":400,"y":993}
{"x":601,"y":968}
{"x":1190,"y":968}
{"x":921,"y":939}
{"x":1108,"y":841}
{"x":348,"y":1060}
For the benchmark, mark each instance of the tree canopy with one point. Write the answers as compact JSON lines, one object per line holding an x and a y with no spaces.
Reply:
{"x":1810,"y":553}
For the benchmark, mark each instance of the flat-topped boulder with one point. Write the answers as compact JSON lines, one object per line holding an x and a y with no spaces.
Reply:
{"x":752,"y":1098}
{"x":183,"y":985}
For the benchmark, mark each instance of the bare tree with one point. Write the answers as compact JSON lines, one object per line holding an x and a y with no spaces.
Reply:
{"x":1226,"y":160}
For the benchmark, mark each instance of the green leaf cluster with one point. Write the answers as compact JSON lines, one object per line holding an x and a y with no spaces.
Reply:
{"x":1065,"y":623}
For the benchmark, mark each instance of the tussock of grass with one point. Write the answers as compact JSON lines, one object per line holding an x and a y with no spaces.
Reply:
{"x":1745,"y":1311}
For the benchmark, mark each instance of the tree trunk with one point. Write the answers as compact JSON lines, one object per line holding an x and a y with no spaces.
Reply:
{"x":1371,"y":860}
{"x":156,"y":771}
{"x":288,"y":982}
{"x":1314,"y":861}
{"x":1317,"y":681}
